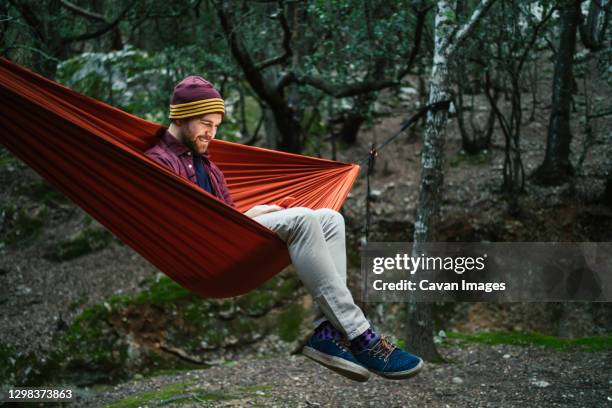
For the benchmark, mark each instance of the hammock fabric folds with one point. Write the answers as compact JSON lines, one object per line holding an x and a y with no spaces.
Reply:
{"x":93,"y":153}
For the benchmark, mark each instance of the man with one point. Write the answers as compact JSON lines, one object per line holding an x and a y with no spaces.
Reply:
{"x":343,"y":339}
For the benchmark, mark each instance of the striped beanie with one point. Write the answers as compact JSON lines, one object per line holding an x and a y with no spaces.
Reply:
{"x":195,"y":96}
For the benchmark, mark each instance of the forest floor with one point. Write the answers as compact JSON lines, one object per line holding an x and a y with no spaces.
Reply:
{"x":474,"y":376}
{"x":41,"y":294}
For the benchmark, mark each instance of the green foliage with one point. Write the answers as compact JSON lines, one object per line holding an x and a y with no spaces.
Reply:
{"x":42,"y":192}
{"x":25,"y":214}
{"x":272,"y":293}
{"x":290,"y":321}
{"x":8,"y":162}
{"x":162,"y":394}
{"x":158,"y":43}
{"x":25,"y":369}
{"x":21,"y":225}
{"x":141,"y":82}
{"x":10,"y":363}
{"x":88,"y":240}
{"x":354,"y":40}
{"x":96,"y":346}
{"x":187,"y":392}
{"x":232,"y":127}
{"x":162,"y":291}
{"x":477,"y":159}
{"x":91,"y":343}
{"x":130,"y":79}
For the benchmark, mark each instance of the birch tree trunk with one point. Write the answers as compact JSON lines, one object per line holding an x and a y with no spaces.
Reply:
{"x":448,"y":38}
{"x":420,"y":322}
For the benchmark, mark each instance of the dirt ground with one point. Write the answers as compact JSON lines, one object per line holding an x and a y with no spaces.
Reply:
{"x":475,"y":376}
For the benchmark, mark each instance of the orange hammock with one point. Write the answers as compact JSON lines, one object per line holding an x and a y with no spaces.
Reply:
{"x":93,"y":153}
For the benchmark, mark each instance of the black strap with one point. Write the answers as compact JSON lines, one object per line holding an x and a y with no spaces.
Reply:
{"x":369,"y":172}
{"x":370,"y":160}
{"x":407,"y":123}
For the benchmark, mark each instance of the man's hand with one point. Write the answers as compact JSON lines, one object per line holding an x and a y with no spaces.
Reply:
{"x":262,"y":209}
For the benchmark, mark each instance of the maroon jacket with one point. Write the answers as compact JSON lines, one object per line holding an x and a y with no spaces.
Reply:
{"x":177,"y":157}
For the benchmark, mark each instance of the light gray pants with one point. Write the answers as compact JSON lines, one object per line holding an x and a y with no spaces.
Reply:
{"x":316,"y":242}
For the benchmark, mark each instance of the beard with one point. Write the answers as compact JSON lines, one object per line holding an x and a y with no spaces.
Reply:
{"x":197,"y":144}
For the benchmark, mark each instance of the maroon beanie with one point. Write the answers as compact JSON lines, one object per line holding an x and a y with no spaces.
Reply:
{"x":195,"y":96}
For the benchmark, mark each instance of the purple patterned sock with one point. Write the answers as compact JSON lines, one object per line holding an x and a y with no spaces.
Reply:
{"x":364,"y":340}
{"x":326,"y":331}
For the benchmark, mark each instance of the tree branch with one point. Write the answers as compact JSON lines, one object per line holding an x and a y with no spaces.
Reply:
{"x":243,"y":58}
{"x":183,"y":355}
{"x":465,"y":31}
{"x":534,"y":38}
{"x":600,"y":114}
{"x":286,"y":42}
{"x":102,"y":31}
{"x":82,"y":12}
{"x":418,"y":35}
{"x":31,"y":19}
{"x":341,"y":91}
{"x":5,"y":50}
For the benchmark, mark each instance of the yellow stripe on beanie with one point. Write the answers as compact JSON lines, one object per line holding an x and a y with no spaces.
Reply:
{"x":184,"y":110}
{"x":188,"y":104}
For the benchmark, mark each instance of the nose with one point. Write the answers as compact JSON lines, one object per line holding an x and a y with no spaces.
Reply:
{"x":210,"y":133}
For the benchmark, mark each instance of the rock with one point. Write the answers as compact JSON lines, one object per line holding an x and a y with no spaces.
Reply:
{"x":408,"y":90}
{"x":375,"y":193}
{"x":133,"y":348}
{"x":457,"y":380}
{"x":231,"y":341}
{"x":540,"y":383}
{"x":23,"y":290}
{"x":407,"y":93}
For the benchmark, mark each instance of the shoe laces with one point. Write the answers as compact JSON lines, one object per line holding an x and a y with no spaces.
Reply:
{"x":343,"y":344}
{"x":383,"y":348}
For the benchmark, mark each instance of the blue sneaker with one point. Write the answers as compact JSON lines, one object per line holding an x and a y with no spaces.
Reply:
{"x":387,"y":360}
{"x":334,"y":354}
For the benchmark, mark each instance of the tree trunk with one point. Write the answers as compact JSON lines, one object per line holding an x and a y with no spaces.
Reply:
{"x":415,"y":130}
{"x":420,"y":323}
{"x":296,"y":19}
{"x":350,"y":127}
{"x":355,"y":118}
{"x":448,"y":37}
{"x":272,"y":134}
{"x":557,"y":168}
{"x":478,"y":138}
{"x":607,"y":195}
{"x":373,"y":11}
{"x":286,"y":121}
{"x":593,"y":28}
{"x":289,"y":129}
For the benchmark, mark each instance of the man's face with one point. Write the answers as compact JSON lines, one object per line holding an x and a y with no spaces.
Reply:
{"x":197,"y":132}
